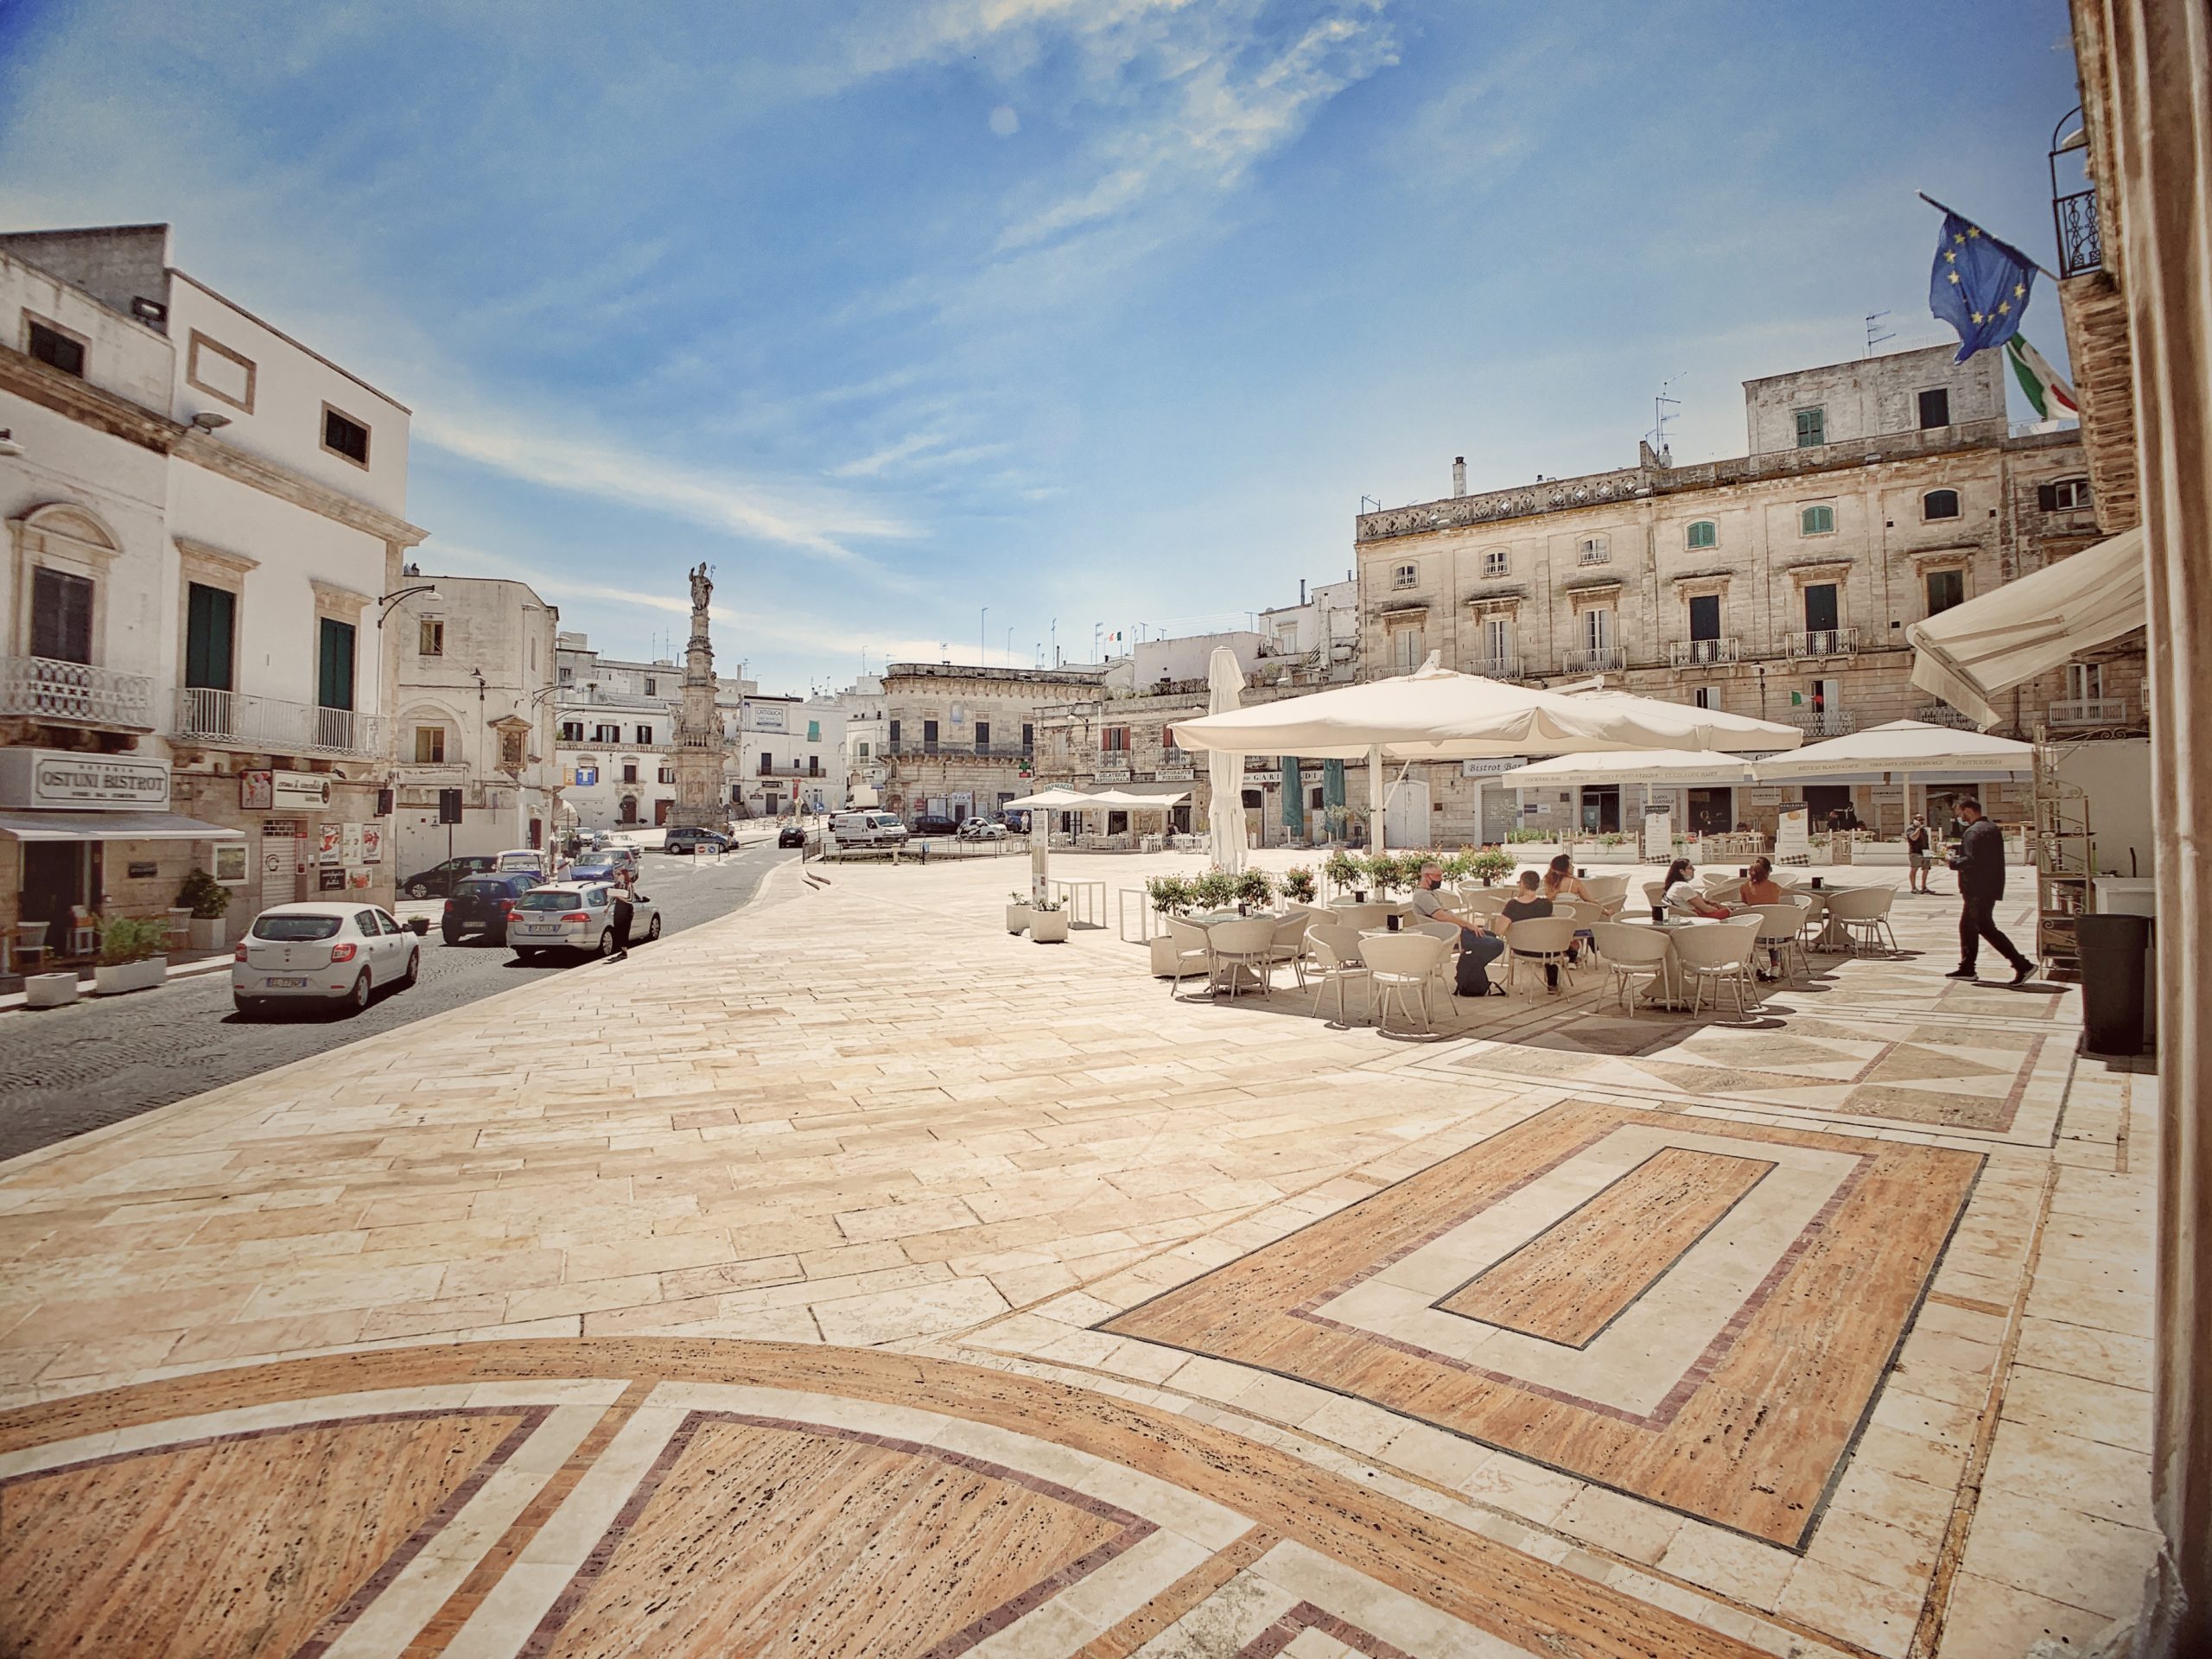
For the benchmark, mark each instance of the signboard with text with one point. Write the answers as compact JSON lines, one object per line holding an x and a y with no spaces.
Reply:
{"x":1490,"y":768}
{"x":291,"y":791}
{"x":1793,"y":842}
{"x":62,"y":779}
{"x":1658,"y":834}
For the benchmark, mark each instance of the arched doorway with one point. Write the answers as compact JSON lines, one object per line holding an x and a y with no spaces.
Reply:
{"x":629,"y":809}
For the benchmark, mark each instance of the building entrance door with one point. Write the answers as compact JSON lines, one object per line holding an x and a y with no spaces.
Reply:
{"x":1601,"y":809}
{"x":56,"y":875}
{"x":1405,"y":815}
{"x":280,"y":877}
{"x":1709,"y":811}
{"x":661,"y":810}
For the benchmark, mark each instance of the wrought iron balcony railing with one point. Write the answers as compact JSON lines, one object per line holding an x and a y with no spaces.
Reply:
{"x":47,"y":688}
{"x":1941,"y":714}
{"x":1505,"y":666}
{"x":1598,"y":659}
{"x":2081,"y":245}
{"x":232,"y":719}
{"x":1825,"y":642}
{"x":2089,"y":711}
{"x":1700,"y":653}
{"x":1824,"y":722}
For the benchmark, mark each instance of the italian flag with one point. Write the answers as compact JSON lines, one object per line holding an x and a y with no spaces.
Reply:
{"x":2053,"y":398}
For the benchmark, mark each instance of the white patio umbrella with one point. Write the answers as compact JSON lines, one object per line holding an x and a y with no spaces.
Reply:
{"x":1700,"y":728}
{"x":1225,"y":765}
{"x":1899,"y":752}
{"x":1632,"y":767}
{"x":1040,"y":836}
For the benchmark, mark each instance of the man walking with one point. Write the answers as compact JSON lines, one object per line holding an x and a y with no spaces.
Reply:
{"x":1980,"y":864}
{"x":1915,"y":855}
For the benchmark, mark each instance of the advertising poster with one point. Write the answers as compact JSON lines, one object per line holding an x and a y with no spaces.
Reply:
{"x":256,"y":792}
{"x":373,"y":843}
{"x":1658,"y":836}
{"x":334,"y":846}
{"x":1792,"y":842}
{"x":349,"y":844}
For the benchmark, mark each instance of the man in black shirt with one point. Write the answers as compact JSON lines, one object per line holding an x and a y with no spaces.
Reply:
{"x":1980,"y":864}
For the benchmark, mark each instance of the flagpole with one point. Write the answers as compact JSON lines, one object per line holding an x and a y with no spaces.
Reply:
{"x":2015,"y":247}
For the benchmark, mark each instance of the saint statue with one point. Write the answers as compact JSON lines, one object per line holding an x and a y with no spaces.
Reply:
{"x":703,"y":589}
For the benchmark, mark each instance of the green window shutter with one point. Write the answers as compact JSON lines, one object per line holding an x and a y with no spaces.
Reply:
{"x":334,"y":677}
{"x":814,"y":731}
{"x":211,"y":618}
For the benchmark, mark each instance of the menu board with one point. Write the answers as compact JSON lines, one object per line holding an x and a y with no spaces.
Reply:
{"x":1658,"y":836}
{"x":1792,"y":842}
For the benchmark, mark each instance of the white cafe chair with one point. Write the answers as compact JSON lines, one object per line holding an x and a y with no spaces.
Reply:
{"x":1336,"y":959}
{"x":1538,"y":942}
{"x":1717,"y":953}
{"x":1403,"y":966}
{"x":1632,"y":953}
{"x":1193,"y":952}
{"x":1247,"y":942}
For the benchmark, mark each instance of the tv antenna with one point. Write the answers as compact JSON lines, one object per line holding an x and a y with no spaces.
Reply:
{"x":1874,"y":337}
{"x":1664,"y":405}
{"x":1364,"y":499}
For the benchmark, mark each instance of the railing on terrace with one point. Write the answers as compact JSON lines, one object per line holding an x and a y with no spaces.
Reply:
{"x":1598,"y":659}
{"x":1824,"y":722}
{"x":1504,"y":667}
{"x":1700,"y":653}
{"x":1941,"y":714}
{"x":1825,"y":642}
{"x":2089,"y":711}
{"x":907,"y":748}
{"x":47,"y":688}
{"x":234,"y":720}
{"x":2081,"y":245}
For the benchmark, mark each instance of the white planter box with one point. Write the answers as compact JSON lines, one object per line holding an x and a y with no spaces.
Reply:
{"x":1017,"y":919}
{"x":1048,"y":926}
{"x":49,"y":990}
{"x":209,"y":933}
{"x":113,"y":979}
{"x":1878,"y":852}
{"x":1164,"y":953}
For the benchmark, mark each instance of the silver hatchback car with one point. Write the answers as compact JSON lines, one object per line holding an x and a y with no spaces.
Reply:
{"x":327,"y":951}
{"x":576,"y":916}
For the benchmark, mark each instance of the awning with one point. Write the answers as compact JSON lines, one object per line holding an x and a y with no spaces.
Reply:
{"x":1631,"y":766}
{"x":1904,"y":748}
{"x":112,"y":826}
{"x":1973,"y":652}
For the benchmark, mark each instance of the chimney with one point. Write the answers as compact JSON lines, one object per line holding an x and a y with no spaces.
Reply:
{"x":1301,"y":590}
{"x":1458,"y":475}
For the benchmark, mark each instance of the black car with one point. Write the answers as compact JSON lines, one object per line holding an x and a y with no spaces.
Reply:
{"x":930,"y":823}
{"x":791,"y":835}
{"x":479,"y":905}
{"x":439,"y":879}
{"x":695,"y":841}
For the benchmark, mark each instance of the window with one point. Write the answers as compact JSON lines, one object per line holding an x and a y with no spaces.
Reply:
{"x":982,"y":735}
{"x":652,"y":686}
{"x":1406,"y":653}
{"x":1114,"y":738}
{"x":1820,"y":606}
{"x":210,"y":626}
{"x":1945,"y":590}
{"x":2064,"y":496}
{"x":814,"y":731}
{"x":1935,"y":409}
{"x":629,"y":771}
{"x":344,"y":436}
{"x":1497,"y":561}
{"x":1812,"y":428}
{"x":2085,"y":682}
{"x":814,"y":766}
{"x":645,"y":734}
{"x":1028,"y":737}
{"x":607,"y":734}
{"x":1497,"y":640}
{"x":929,"y":737}
{"x":1940,"y":504}
{"x":1817,"y":521}
{"x":565,"y":672}
{"x":863,"y":750}
{"x":334,"y":667}
{"x":667,"y":774}
{"x":1707,"y":697}
{"x":62,"y":615}
{"x":430,"y":638}
{"x":1592,"y":549}
{"x":1598,"y":629}
{"x":894,"y":737}
{"x":429,"y":745}
{"x":1406,"y":575}
{"x":1254,"y":799}
{"x":767,"y":764}
{"x":57,"y":350}
{"x":572,"y":731}
{"x":1705,"y":616}
{"x":1703,"y":533}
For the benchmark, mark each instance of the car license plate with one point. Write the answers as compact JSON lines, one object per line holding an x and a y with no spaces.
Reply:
{"x":286,"y":984}
{"x":541,"y":927}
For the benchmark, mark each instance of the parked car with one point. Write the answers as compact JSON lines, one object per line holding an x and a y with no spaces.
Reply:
{"x":867,"y":830}
{"x":791,"y":835}
{"x":932,"y":823}
{"x":983,"y":830}
{"x":329,"y":952}
{"x":695,"y":841}
{"x":481,"y":904}
{"x":575,"y":916}
{"x":438,"y":881}
{"x":601,"y":864}
{"x":525,"y":860}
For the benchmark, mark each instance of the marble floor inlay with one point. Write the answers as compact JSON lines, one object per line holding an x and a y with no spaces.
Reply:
{"x":1742,"y":1348}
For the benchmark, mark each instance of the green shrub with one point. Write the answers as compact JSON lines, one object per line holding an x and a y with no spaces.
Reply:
{"x":1490,"y":867}
{"x":1346,"y":870}
{"x":1512,"y":836}
{"x":1215,"y":890}
{"x":132,"y":938}
{"x":1299,"y":885}
{"x":208,"y":897}
{"x":1171,"y":895}
{"x":1254,"y":886}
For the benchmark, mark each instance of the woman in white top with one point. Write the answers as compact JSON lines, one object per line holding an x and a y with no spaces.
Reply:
{"x":1678,"y":894}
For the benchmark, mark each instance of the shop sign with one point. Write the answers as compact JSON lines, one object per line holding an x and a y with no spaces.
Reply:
{"x":254,"y":792}
{"x":1767,"y":795}
{"x":1492,"y":767}
{"x":331,"y":881}
{"x":58,"y":777}
{"x":299,"y":789}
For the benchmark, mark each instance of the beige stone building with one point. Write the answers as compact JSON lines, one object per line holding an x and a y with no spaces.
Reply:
{"x":1778,"y":584}
{"x":959,"y":741}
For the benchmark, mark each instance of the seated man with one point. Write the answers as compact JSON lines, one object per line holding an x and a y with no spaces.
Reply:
{"x":1527,"y":903}
{"x":1477,"y":948}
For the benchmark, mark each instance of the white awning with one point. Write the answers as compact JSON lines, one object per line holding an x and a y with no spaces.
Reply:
{"x":112,"y":826}
{"x":1904,"y":748}
{"x":1973,"y":652}
{"x":1631,"y":766}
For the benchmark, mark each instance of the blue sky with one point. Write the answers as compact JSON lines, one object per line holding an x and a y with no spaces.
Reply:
{"x":1108,"y":311}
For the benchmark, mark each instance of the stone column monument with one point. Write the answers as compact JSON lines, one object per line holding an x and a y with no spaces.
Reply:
{"x":698,"y":728}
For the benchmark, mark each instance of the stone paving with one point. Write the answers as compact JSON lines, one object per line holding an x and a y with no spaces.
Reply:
{"x":1292,"y":1320}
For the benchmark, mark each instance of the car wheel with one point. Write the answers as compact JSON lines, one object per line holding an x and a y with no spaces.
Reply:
{"x":420,"y":890}
{"x":652,"y":928}
{"x":414,"y":970}
{"x":451,"y":935}
{"x":249,"y":1007}
{"x":605,"y":943}
{"x":357,"y":998}
{"x":526,"y":953}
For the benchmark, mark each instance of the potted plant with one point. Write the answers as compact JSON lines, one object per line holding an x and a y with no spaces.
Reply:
{"x":130,"y":955}
{"x":1254,"y":886}
{"x":1170,"y":895}
{"x":208,"y":899}
{"x":1490,"y":865}
{"x":1346,"y":872}
{"x":1299,"y":886}
{"x":1017,"y":912}
{"x":1048,"y":923}
{"x":1215,"y":890}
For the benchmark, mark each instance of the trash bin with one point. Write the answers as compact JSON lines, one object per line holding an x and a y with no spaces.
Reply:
{"x":2115,"y":954}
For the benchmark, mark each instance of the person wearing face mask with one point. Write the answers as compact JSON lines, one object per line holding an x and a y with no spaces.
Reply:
{"x":1478,"y":947}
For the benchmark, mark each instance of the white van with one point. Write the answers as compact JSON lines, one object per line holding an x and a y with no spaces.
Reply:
{"x":522,"y":860}
{"x":867,"y":830}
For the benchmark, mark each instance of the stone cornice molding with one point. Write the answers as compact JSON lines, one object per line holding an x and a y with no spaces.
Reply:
{"x":86,"y":405}
{"x":337,"y":600}
{"x":1809,"y":569}
{"x":203,"y":449}
{"x":207,"y":554}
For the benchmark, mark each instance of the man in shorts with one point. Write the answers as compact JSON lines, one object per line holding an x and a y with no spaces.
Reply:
{"x":1917,"y":848}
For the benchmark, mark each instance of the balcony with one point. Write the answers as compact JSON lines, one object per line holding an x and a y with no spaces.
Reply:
{"x":2080,"y":246}
{"x":2089,"y":711}
{"x":46,"y":688}
{"x":1941,"y":714}
{"x":1505,"y":666}
{"x":908,"y":749}
{"x":1824,"y":642}
{"x":1598,"y":659}
{"x":1701,"y":653}
{"x":1824,"y":722}
{"x":231,"y":720}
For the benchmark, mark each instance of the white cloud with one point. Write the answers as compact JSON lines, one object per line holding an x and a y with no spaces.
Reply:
{"x":1004,"y":121}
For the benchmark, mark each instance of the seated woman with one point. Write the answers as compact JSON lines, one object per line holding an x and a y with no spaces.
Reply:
{"x":1562,"y":882}
{"x":1679,"y":894}
{"x":1763,"y":889}
{"x":1527,"y":903}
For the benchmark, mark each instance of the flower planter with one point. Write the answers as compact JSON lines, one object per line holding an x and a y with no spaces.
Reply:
{"x":209,"y":933}
{"x":49,"y":990}
{"x":1017,"y":919}
{"x":114,"y":978}
{"x":1048,"y":926}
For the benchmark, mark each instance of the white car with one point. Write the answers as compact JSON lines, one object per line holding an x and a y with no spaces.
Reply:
{"x":329,"y":952}
{"x":576,"y":916}
{"x":521,"y":861}
{"x":981,"y":829}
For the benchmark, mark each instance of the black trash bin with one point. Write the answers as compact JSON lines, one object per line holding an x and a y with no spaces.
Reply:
{"x":2115,"y":982}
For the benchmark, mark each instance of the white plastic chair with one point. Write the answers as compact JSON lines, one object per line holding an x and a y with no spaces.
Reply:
{"x":1359,"y":916}
{"x":1779,"y":927}
{"x":1608,"y":893}
{"x":1865,"y":913}
{"x":1583,"y":914}
{"x":1337,"y":958}
{"x":1632,"y":953}
{"x":1247,"y":942}
{"x":1718,"y":952}
{"x":1402,"y":965}
{"x":1484,"y":902}
{"x":1539,"y":941}
{"x":1288,"y":947}
{"x":1653,"y":892}
{"x":1449,"y":932}
{"x":1193,"y":952}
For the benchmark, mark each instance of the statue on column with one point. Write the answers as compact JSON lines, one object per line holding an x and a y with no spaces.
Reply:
{"x":703,"y":589}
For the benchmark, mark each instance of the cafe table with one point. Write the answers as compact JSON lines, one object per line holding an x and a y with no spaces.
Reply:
{"x":1211,"y":919}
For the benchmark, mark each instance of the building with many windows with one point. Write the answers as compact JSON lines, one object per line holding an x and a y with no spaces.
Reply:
{"x":959,"y":741}
{"x":205,"y":518}
{"x":1778,"y":584}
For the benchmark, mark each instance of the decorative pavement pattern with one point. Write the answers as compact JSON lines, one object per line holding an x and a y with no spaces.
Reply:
{"x":846,"y":1276}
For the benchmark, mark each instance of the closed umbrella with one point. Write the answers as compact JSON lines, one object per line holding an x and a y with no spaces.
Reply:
{"x":1225,"y":767}
{"x":1040,"y":836}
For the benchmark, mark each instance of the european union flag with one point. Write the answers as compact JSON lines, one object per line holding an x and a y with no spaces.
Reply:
{"x":1980,"y":285}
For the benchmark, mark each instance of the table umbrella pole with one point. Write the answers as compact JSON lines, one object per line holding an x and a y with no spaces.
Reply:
{"x":1377,"y":836}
